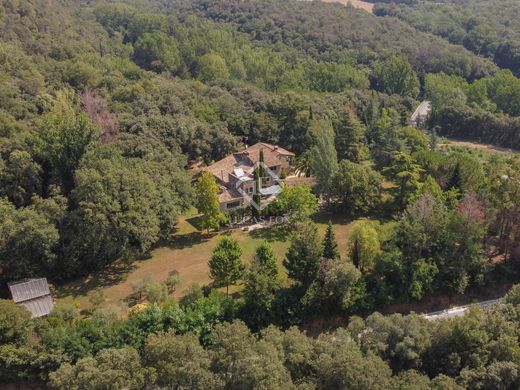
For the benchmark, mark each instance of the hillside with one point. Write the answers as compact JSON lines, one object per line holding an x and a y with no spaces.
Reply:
{"x":114,"y":119}
{"x":332,"y":31}
{"x":482,"y":26}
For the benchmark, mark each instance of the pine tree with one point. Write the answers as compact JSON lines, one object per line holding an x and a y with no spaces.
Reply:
{"x":265,"y":260}
{"x":330,"y":246}
{"x":303,"y":257}
{"x":262,"y":283}
{"x":456,"y":178}
{"x":350,"y":138}
{"x":225,"y":266}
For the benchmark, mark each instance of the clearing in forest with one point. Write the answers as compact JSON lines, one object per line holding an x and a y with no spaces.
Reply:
{"x":369,"y":7}
{"x":189,"y":255}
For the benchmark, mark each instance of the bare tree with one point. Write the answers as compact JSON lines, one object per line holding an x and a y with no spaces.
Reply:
{"x":99,"y":114}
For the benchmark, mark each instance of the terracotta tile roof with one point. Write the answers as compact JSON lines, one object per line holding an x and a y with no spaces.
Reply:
{"x":229,"y":194}
{"x":246,"y":159}
{"x":272,"y":148}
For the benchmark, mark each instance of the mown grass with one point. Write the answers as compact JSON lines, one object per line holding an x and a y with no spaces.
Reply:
{"x":188,"y":254}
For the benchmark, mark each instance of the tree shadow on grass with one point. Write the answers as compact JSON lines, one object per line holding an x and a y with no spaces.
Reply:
{"x":188,"y":240}
{"x":270,"y":234}
{"x":111,"y":275}
{"x":196,"y":222}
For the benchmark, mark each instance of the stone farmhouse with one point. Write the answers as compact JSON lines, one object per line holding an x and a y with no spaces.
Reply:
{"x":235,"y":173}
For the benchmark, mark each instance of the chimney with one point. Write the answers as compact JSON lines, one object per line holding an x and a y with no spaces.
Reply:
{"x":222,"y":175}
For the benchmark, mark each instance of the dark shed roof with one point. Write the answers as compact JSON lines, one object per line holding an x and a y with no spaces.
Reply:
{"x":34,"y":294}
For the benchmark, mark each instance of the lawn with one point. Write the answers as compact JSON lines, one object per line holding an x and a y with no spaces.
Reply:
{"x":189,"y":255}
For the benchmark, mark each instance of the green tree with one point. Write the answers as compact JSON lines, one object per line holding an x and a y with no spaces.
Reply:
{"x":400,"y":340}
{"x":27,"y":243}
{"x":117,"y":213}
{"x":330,"y":246}
{"x":157,"y":51}
{"x":20,"y":177}
{"x":322,"y":156}
{"x":63,"y":139}
{"x":179,"y":360}
{"x":212,"y":67}
{"x":14,"y":322}
{"x":365,"y":246}
{"x":302,"y":259}
{"x":261,"y":285}
{"x":207,"y":201}
{"x":225,"y":266}
{"x":340,"y":285}
{"x":298,"y":203}
{"x":259,"y":177}
{"x":406,"y":173}
{"x":357,"y":188}
{"x":243,"y":362}
{"x":110,"y":369}
{"x":396,"y":76}
{"x":350,"y":137}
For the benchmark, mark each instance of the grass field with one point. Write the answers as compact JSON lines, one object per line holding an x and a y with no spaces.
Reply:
{"x":478,"y":146}
{"x":189,"y":255}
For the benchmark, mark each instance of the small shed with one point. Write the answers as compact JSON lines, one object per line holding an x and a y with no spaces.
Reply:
{"x":33,"y":294}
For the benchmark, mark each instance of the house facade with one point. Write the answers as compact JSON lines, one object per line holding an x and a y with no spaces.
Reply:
{"x":235,"y":173}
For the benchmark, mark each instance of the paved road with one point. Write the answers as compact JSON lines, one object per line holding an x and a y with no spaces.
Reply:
{"x":459,"y":311}
{"x":421,"y":113}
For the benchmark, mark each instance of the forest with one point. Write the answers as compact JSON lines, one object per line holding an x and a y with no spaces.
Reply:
{"x":106,"y":107}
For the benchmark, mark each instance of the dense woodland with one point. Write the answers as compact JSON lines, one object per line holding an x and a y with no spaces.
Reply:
{"x":104,"y":107}
{"x":478,"y":25}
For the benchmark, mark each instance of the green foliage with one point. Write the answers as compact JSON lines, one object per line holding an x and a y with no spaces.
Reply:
{"x":330,"y":246}
{"x":179,"y":361}
{"x":14,"y":322}
{"x":513,"y":296}
{"x":302,"y":259}
{"x":406,"y":174}
{"x":396,"y":76}
{"x":157,"y":51}
{"x":322,"y":156}
{"x":298,"y":203}
{"x":111,"y":368}
{"x":207,"y":201}
{"x":265,"y":369}
{"x":225,"y":266}
{"x":27,"y":242}
{"x":400,"y":340}
{"x":63,"y":140}
{"x":340,"y":284}
{"x":365,"y":246}
{"x":357,"y":187}
{"x":350,"y":136}
{"x":261,"y":285}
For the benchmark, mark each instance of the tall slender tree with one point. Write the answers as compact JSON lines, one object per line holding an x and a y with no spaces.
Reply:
{"x":330,"y":246}
{"x":259,"y":174}
{"x":207,"y":201}
{"x":323,"y":156}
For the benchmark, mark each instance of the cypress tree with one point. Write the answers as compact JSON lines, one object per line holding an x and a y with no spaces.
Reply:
{"x":330,"y":246}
